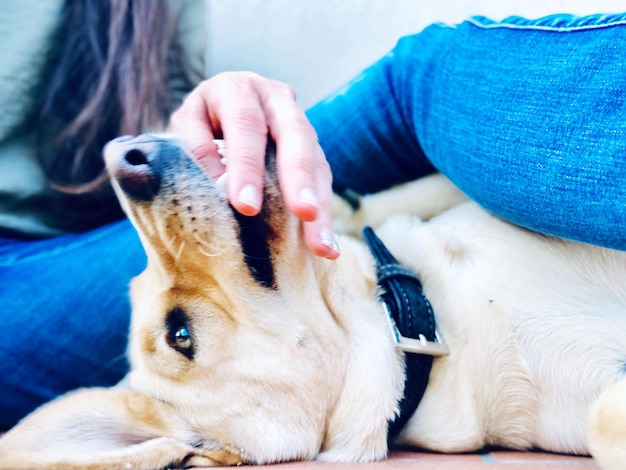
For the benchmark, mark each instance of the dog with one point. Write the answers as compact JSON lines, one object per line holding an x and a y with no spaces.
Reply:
{"x":247,"y":349}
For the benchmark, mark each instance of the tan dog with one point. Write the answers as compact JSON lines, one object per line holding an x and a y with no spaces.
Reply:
{"x":246,"y":348}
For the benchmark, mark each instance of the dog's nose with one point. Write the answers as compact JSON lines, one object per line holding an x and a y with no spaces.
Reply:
{"x":130,"y":161}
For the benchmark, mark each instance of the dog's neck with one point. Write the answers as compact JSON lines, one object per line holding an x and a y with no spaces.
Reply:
{"x":413,"y":326}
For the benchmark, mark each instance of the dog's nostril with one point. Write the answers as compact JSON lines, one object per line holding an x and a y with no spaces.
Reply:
{"x":136,"y":157}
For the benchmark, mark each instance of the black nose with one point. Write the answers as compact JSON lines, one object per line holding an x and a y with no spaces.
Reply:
{"x":131,"y":161}
{"x":136,"y":157}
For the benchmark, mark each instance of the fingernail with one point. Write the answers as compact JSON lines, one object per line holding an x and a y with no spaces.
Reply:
{"x":327,"y":239}
{"x":250,"y":197}
{"x":308,"y":197}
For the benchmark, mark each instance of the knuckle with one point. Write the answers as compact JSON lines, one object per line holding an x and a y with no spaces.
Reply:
{"x":249,"y":161}
{"x":284,"y":89}
{"x":324,"y":168}
{"x":294,"y":126}
{"x":300,"y":123}
{"x":248,"y":120}
{"x":201,"y":149}
{"x":243,"y":81}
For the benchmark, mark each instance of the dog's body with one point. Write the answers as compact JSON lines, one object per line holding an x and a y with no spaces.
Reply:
{"x":247,"y":348}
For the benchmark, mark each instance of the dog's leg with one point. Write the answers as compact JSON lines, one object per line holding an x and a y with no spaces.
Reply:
{"x":107,"y":429}
{"x":425,"y":198}
{"x":606,"y":430}
{"x":163,"y":452}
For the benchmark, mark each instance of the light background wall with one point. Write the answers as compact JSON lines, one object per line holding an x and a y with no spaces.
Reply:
{"x":316,"y":45}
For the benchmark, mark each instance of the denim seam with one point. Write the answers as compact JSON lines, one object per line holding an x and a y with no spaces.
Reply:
{"x":540,"y":27}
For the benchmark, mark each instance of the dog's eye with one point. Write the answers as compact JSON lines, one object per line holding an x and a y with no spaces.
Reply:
{"x":178,"y":333}
{"x":182,"y":338}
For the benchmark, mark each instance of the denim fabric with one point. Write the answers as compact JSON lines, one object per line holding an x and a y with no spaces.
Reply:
{"x":527,"y":117}
{"x":65,"y":314}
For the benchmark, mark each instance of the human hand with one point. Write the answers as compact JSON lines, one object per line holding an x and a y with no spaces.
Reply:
{"x":241,"y":107}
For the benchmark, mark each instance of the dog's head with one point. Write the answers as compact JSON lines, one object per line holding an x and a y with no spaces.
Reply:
{"x":225,"y":324}
{"x":241,"y":340}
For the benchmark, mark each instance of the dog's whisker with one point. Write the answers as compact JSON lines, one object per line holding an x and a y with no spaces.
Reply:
{"x":145,"y":221}
{"x":120,"y":358}
{"x":180,"y":251}
{"x":150,"y":230}
{"x":213,"y":213}
{"x":196,"y":237}
{"x":202,"y":244}
{"x":206,"y":253}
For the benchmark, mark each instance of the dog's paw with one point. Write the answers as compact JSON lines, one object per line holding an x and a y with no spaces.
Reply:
{"x":423,"y":198}
{"x":347,"y":215}
{"x":606,"y":428}
{"x":223,"y":457}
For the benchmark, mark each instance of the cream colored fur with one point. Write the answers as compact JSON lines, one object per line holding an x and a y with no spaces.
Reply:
{"x":308,"y":370}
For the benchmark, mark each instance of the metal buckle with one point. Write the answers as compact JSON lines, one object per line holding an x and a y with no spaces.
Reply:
{"x":417,"y":346}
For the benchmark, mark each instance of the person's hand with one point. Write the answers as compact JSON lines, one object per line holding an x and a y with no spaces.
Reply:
{"x":241,"y":107}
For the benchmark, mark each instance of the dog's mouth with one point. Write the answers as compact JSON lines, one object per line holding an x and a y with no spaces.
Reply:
{"x":170,"y":198}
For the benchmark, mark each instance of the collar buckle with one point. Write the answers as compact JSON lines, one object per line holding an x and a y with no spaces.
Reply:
{"x":419,"y":345}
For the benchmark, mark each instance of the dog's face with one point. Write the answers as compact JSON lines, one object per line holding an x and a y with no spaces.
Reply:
{"x":244,"y":346}
{"x":225,"y":324}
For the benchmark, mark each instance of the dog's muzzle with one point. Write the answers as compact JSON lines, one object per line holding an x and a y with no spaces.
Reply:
{"x":138,"y":163}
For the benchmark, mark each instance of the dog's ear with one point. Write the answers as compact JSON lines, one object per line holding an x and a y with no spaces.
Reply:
{"x":107,"y":429}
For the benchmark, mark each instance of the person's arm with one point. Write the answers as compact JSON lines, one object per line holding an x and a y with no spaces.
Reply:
{"x":364,"y":131}
{"x":526,"y":117}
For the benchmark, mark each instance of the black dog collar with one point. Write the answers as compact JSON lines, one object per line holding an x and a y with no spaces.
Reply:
{"x":412,"y":323}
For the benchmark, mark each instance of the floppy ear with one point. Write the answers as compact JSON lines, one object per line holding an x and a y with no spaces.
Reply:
{"x":107,"y":429}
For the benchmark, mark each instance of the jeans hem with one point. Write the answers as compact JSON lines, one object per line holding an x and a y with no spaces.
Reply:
{"x":564,"y":23}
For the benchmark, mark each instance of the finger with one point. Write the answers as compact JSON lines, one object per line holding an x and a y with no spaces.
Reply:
{"x":192,"y":123}
{"x":318,"y":234}
{"x":318,"y":242}
{"x":241,"y":117}
{"x":298,"y":152}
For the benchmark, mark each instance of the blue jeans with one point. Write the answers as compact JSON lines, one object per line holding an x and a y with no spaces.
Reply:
{"x":527,"y":117}
{"x":65,"y":314}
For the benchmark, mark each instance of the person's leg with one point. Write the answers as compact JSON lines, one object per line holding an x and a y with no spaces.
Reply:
{"x":527,"y":117}
{"x":65,"y":314}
